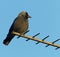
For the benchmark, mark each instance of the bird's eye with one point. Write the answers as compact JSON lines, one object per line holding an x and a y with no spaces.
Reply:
{"x":26,"y":13}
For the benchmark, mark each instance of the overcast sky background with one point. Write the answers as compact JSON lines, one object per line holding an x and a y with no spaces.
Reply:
{"x":45,"y":19}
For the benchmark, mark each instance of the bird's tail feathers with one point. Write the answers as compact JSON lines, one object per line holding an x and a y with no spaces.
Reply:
{"x":8,"y":39}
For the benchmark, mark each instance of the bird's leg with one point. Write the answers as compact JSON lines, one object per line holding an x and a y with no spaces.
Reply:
{"x":24,"y":33}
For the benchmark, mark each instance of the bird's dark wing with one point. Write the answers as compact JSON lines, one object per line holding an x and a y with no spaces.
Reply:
{"x":9,"y":35}
{"x":12,"y":26}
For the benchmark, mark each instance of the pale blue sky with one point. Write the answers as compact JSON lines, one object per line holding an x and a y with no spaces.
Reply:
{"x":45,"y":19}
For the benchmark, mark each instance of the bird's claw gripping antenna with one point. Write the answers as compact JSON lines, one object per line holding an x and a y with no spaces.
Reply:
{"x":24,"y":33}
{"x":39,"y":41}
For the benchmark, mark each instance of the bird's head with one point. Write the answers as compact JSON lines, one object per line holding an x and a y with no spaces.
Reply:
{"x":24,"y":14}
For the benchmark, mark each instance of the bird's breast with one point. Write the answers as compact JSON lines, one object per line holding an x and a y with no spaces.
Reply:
{"x":21,"y":26}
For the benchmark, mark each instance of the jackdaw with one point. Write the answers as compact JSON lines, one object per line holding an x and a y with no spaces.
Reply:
{"x":19,"y":25}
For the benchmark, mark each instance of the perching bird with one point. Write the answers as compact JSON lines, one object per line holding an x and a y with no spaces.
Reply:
{"x":19,"y":25}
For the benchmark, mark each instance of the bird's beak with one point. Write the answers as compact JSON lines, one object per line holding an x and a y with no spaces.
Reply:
{"x":29,"y":16}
